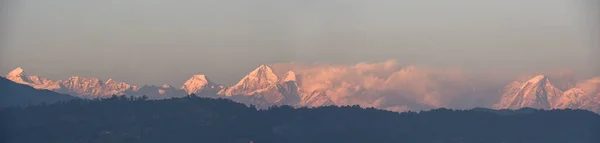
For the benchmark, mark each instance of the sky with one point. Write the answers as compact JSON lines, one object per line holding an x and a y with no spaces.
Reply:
{"x":155,"y":41}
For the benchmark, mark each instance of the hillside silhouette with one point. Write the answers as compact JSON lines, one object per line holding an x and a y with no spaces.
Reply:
{"x":195,"y":119}
{"x":14,"y":94}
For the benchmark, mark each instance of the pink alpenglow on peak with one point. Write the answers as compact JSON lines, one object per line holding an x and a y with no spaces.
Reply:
{"x":385,"y":85}
{"x":16,"y":72}
{"x":74,"y":85}
{"x":18,"y":75}
{"x":573,"y":99}
{"x":260,"y":75}
{"x":289,"y":76}
{"x":259,"y":79}
{"x":197,"y":83}
{"x":537,"y":79}
{"x":537,"y":92}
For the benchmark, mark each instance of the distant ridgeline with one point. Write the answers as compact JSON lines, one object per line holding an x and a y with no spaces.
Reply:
{"x":195,"y":119}
{"x":396,"y":89}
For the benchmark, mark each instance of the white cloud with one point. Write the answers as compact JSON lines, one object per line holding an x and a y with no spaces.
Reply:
{"x":366,"y":84}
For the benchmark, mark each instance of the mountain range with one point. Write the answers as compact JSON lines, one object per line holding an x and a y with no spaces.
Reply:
{"x":381,"y":85}
{"x":539,"y":92}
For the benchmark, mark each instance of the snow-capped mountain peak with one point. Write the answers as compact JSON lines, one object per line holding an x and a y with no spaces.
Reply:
{"x":573,"y":98}
{"x":86,"y":80}
{"x":259,"y":79}
{"x":539,"y":79}
{"x":536,"y":92}
{"x":262,"y":73}
{"x":109,"y":81}
{"x":574,"y":90}
{"x":18,"y":75}
{"x":289,"y":76}
{"x":322,"y":86}
{"x":73,"y":78}
{"x":16,"y":72}
{"x":262,"y":83}
{"x":85,"y":87}
{"x":197,"y":83}
{"x":200,"y":77}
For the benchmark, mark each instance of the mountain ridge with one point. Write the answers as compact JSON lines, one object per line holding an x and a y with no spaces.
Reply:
{"x":538,"y":92}
{"x":298,"y":88}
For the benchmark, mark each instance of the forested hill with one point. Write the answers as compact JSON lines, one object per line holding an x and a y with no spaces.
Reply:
{"x":195,"y":120}
{"x":14,"y":94}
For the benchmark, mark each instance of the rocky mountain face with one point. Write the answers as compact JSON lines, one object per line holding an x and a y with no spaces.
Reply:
{"x":316,"y":99}
{"x":575,"y":98}
{"x":18,"y":75}
{"x":282,"y":92}
{"x":94,"y":87}
{"x":256,"y":81}
{"x":264,"y":84}
{"x":200,"y":85}
{"x":378,"y":85}
{"x":83,"y":87}
{"x":538,"y":92}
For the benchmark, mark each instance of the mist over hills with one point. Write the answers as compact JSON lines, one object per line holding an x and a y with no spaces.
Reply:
{"x":385,"y":85}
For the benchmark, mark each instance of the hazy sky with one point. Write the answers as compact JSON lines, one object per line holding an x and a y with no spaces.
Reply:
{"x":158,"y":41}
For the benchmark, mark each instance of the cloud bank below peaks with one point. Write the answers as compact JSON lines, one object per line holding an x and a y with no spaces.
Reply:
{"x":386,"y":85}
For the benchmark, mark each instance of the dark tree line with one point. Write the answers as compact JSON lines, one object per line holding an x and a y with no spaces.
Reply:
{"x":195,"y":120}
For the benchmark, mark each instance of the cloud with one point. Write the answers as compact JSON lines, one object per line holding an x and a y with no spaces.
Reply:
{"x":368,"y":84}
{"x":389,"y":85}
{"x":381,"y":70}
{"x":430,"y":87}
{"x":591,"y":86}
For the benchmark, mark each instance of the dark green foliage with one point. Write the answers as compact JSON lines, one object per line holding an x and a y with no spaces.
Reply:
{"x":194,"y":119}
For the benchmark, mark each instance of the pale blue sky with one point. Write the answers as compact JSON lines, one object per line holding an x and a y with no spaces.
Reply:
{"x":167,"y":41}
